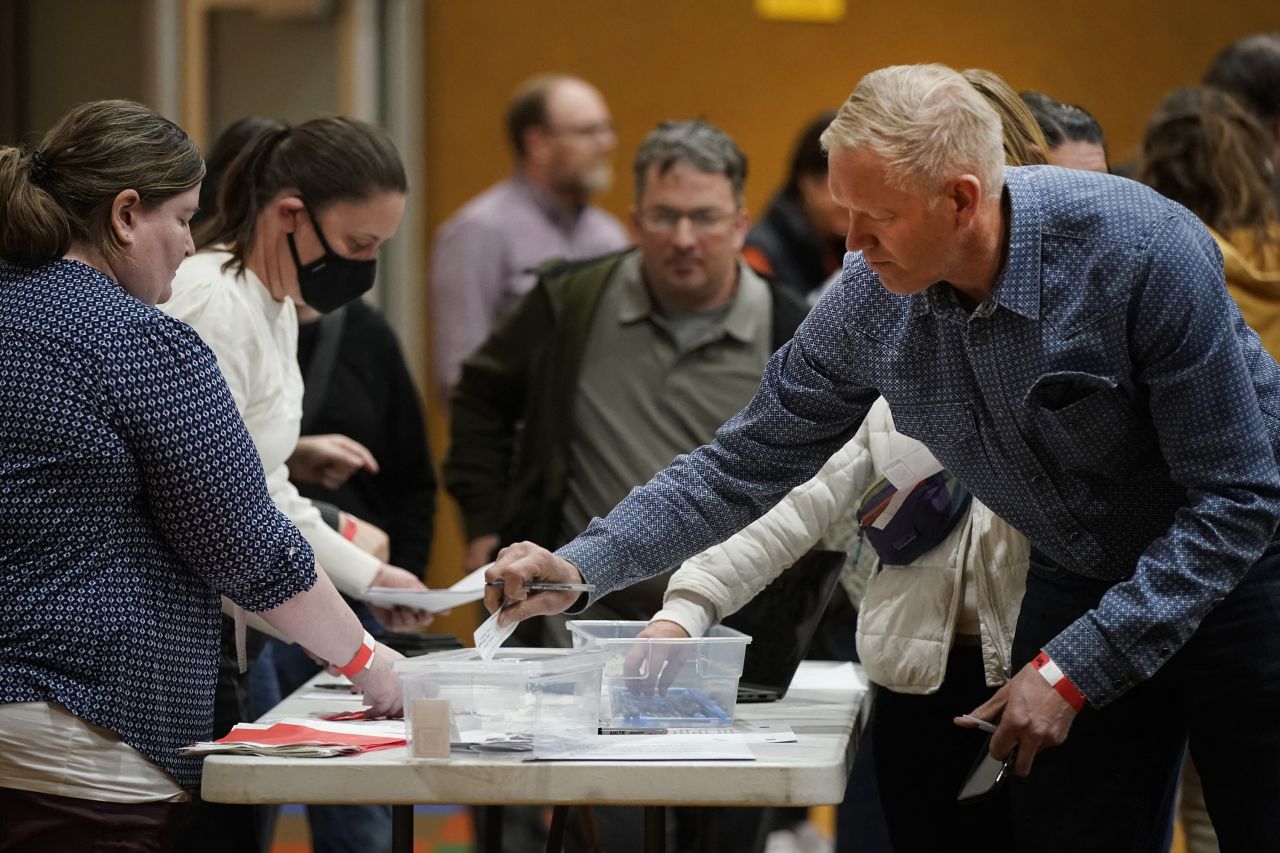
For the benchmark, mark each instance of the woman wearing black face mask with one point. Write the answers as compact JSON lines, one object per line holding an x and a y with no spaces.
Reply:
{"x":300,"y":215}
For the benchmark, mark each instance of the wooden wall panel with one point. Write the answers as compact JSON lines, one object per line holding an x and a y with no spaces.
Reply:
{"x":761,"y":80}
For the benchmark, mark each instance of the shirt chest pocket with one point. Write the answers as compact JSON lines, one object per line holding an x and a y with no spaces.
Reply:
{"x":1087,"y":419}
{"x":940,"y":427}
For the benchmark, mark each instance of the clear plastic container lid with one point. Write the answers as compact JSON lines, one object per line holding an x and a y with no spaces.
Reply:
{"x":505,"y":661}
{"x":603,"y":631}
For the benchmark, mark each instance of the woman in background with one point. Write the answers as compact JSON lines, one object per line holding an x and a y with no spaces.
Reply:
{"x":130,"y":497}
{"x":799,"y":241}
{"x":300,"y":215}
{"x":1205,"y":151}
{"x":1075,"y":137}
{"x":225,"y":148}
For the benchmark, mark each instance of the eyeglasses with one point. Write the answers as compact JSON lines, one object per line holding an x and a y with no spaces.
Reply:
{"x":705,"y":220}
{"x":593,"y":129}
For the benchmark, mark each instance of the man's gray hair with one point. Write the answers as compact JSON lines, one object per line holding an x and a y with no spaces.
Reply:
{"x":927,"y":122}
{"x":703,"y":146}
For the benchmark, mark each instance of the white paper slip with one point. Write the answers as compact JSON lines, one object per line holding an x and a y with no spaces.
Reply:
{"x":475,"y":580}
{"x":490,"y":635}
{"x":766,"y":733}
{"x":910,"y":464}
{"x":386,"y":728}
{"x":828,"y":675}
{"x":886,"y":515}
{"x":465,"y":591}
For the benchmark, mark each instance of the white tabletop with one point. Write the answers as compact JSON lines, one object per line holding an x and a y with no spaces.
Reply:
{"x":811,"y":771}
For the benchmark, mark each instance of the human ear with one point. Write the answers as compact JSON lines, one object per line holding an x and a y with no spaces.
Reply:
{"x":124,"y":215}
{"x":536,"y":144}
{"x":740,"y":228}
{"x":965,"y":193}
{"x":286,"y":208}
{"x":634,"y":221}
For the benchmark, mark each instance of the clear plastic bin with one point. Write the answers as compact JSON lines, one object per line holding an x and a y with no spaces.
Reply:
{"x":520,"y":698}
{"x":702,"y":693}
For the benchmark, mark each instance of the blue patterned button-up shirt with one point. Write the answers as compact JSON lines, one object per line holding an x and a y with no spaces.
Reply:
{"x":130,"y":496}
{"x":1107,"y":400}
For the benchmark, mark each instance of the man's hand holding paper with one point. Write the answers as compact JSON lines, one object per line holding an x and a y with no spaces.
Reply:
{"x":521,"y":563}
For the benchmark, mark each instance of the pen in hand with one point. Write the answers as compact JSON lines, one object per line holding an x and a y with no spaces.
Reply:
{"x":980,"y":724}
{"x":546,"y":586}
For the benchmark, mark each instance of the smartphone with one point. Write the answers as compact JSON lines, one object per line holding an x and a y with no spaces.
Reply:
{"x":987,"y":774}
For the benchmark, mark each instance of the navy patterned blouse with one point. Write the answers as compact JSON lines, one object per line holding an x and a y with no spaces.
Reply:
{"x":1107,"y":400}
{"x":130,"y":497}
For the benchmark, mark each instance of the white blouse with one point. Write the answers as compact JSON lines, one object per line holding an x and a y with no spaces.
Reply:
{"x":255,"y":339}
{"x":46,"y":748}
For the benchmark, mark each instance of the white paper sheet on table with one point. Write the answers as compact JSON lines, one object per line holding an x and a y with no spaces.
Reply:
{"x":465,"y":591}
{"x":695,"y":747}
{"x":828,"y":675}
{"x":342,"y":693}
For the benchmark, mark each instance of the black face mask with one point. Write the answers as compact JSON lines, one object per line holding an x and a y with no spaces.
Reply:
{"x":331,"y":281}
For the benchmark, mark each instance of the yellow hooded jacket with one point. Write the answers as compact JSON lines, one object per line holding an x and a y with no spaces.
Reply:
{"x":1253,"y":280}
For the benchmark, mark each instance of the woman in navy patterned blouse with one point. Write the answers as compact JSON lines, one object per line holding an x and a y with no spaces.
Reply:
{"x":130,"y":496}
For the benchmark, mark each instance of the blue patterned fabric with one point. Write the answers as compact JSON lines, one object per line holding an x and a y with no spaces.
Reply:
{"x":130,"y":496}
{"x":1107,"y":400}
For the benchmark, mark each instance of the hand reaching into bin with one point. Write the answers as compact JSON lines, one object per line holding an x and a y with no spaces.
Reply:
{"x":656,"y":665}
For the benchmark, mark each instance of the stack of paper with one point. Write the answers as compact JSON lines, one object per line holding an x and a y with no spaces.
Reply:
{"x":304,"y":738}
{"x":465,"y":591}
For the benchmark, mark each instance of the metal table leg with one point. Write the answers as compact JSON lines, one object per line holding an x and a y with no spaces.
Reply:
{"x":402,"y":829}
{"x":490,"y":840}
{"x":708,"y":825}
{"x":555,"y":835}
{"x":655,"y":829}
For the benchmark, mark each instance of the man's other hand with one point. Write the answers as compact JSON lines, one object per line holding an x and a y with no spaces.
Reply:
{"x":1033,"y":717}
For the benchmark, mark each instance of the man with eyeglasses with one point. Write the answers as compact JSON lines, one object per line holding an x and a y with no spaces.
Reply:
{"x":611,"y":367}
{"x":562,"y":136}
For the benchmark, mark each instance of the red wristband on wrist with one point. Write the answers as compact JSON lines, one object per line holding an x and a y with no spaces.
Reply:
{"x":348,"y":528}
{"x":1059,"y":682}
{"x":363,"y":658}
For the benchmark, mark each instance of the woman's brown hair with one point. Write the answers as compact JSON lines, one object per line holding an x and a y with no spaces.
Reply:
{"x":62,"y":191}
{"x":324,"y":160}
{"x":1024,"y":142}
{"x":1205,"y":151}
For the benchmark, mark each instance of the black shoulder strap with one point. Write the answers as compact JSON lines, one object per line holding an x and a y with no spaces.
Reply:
{"x":316,"y":382}
{"x":789,"y":311}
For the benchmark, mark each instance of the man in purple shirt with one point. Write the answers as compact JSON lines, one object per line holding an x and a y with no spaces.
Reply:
{"x":563,"y":138}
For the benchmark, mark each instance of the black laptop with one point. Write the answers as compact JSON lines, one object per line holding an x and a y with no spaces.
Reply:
{"x":781,"y":621}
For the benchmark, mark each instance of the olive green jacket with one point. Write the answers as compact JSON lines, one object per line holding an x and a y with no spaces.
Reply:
{"x":512,"y":412}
